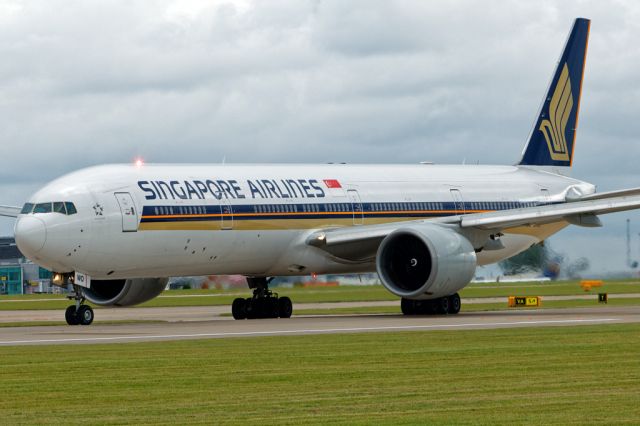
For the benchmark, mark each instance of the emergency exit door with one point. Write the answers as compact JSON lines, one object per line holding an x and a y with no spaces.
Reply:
{"x":128,"y":211}
{"x":226,"y":214}
{"x":356,"y":207}
{"x":458,"y":202}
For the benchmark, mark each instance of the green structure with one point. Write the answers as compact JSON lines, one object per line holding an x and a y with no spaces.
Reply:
{"x":10,"y":280}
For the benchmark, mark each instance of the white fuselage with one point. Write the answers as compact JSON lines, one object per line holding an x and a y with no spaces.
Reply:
{"x":172,"y":220}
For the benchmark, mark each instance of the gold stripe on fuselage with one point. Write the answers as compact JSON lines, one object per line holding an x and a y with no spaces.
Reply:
{"x":269,"y":221}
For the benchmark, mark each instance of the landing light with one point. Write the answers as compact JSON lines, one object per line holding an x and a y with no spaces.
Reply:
{"x":139,"y":162}
{"x":57,"y":279}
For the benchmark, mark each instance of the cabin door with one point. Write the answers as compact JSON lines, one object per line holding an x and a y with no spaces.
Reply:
{"x":128,"y":211}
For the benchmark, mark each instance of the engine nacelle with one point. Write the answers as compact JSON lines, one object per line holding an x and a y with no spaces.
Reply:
{"x":124,"y":292}
{"x":425,"y":262}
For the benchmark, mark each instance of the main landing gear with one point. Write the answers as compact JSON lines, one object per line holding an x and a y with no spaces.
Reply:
{"x":263,"y":304}
{"x":441,"y":306}
{"x":78,"y":313}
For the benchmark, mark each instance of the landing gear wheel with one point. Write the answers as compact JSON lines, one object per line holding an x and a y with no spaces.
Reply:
{"x":263,"y":304}
{"x":85,"y":315}
{"x":407,"y":306}
{"x":285,"y":307}
{"x":454,"y":303}
{"x":442,"y":305}
{"x":70,"y":316}
{"x":239,"y":309}
{"x":78,"y":313}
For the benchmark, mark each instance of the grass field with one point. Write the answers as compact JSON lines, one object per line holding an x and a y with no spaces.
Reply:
{"x":563,"y":375}
{"x":331,"y":294}
{"x":475,"y":307}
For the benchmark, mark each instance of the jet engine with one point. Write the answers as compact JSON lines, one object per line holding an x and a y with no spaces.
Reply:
{"x":425,"y":262}
{"x":124,"y":292}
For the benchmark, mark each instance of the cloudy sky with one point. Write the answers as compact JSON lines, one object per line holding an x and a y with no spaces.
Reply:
{"x":85,"y":83}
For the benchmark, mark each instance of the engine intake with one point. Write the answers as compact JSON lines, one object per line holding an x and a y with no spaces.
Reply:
{"x":425,"y":262}
{"x":124,"y":292}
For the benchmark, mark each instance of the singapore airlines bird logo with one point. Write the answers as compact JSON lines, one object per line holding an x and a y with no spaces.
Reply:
{"x":554,"y":128}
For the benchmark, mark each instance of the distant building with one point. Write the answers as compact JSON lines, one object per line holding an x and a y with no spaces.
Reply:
{"x":18,"y":275}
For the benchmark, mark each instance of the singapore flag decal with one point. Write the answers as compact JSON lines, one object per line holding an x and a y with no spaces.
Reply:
{"x":334,"y":187}
{"x":332,"y":183}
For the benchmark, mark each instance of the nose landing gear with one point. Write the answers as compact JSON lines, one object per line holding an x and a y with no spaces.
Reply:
{"x":78,"y":314}
{"x":263,"y":304}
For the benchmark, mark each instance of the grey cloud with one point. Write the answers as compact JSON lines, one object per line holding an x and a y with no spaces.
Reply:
{"x":85,"y":83}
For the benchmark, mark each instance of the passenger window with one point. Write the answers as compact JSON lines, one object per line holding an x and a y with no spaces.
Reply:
{"x":58,"y":207}
{"x":42,"y":208}
{"x":28,"y":207}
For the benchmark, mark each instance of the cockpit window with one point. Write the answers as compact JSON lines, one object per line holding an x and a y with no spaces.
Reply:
{"x":28,"y":207}
{"x":42,"y":208}
{"x":58,"y":207}
{"x":62,"y":207}
{"x":71,"y":208}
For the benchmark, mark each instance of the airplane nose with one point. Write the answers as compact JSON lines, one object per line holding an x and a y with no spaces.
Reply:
{"x":31,"y":234}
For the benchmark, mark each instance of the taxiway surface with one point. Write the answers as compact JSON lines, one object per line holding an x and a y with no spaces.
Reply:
{"x":224,"y":327}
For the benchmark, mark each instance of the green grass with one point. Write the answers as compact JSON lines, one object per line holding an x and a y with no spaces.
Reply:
{"x":214,"y":297}
{"x":554,"y":375}
{"x":468,"y":307}
{"x":331,"y":294}
{"x":549,"y":288}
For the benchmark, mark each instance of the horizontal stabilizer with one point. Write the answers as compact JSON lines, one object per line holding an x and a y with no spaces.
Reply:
{"x":604,"y":195}
{"x":359,"y":243}
{"x":9,"y":211}
{"x":548,"y":214}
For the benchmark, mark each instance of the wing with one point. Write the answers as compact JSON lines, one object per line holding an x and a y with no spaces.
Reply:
{"x":360,"y":243}
{"x":9,"y":211}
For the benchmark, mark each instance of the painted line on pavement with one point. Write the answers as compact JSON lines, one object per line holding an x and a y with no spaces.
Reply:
{"x":307,"y":331}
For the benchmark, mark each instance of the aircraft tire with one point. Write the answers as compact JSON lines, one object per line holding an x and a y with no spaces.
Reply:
{"x":407,"y":306}
{"x":454,"y":303}
{"x":442,"y":305}
{"x":70,"y":316}
{"x":85,"y":315}
{"x":285,"y":307}
{"x":251,"y":309}
{"x":429,"y":307}
{"x":239,"y":309}
{"x":274,"y":307}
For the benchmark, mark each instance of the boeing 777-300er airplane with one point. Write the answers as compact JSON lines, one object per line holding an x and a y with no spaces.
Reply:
{"x":114,"y":233}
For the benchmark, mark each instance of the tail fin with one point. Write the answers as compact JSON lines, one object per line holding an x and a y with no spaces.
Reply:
{"x":553,"y":136}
